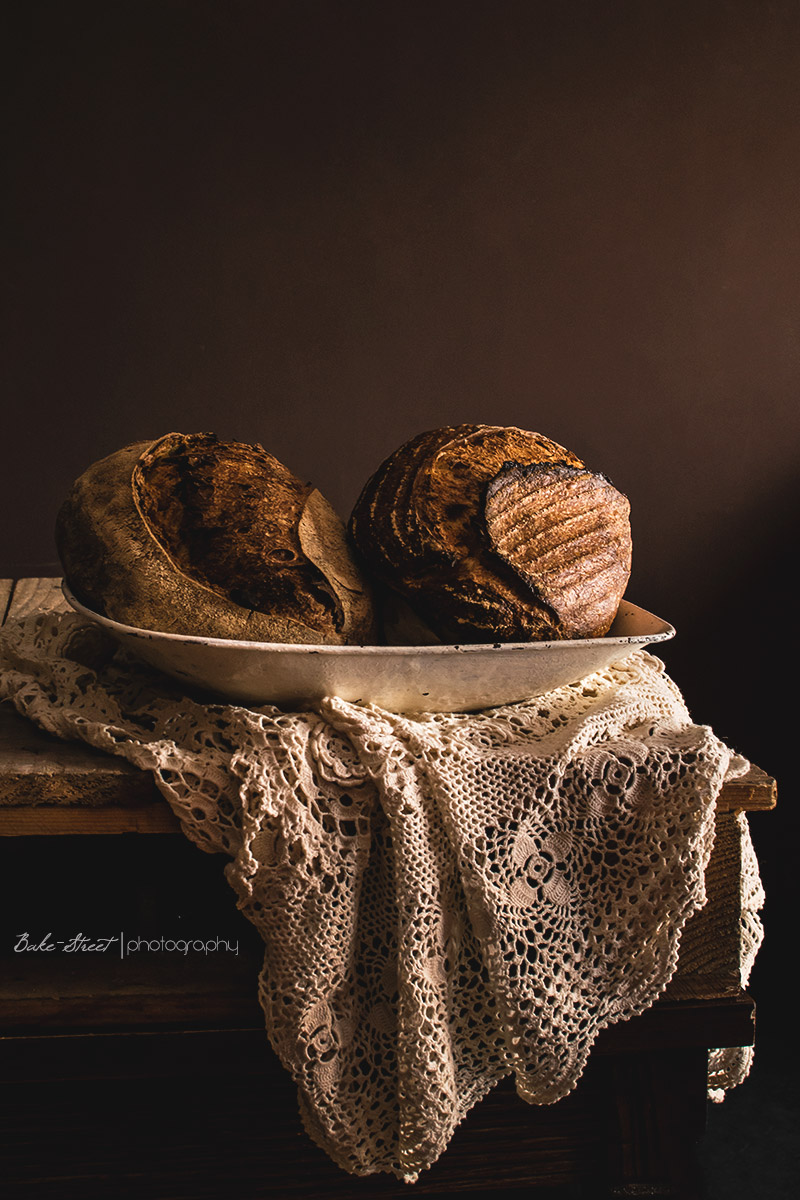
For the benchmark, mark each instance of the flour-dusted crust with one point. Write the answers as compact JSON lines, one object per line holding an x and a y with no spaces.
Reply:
{"x":566,"y":532}
{"x":191,"y":535}
{"x":494,"y":533}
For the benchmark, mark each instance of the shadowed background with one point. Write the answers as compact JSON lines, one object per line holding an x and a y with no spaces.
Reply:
{"x":327,"y":226}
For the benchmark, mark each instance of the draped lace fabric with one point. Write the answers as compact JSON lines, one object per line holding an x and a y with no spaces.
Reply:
{"x":444,"y":900}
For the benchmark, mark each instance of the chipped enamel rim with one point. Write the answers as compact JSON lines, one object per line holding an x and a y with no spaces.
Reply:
{"x":649,"y":628}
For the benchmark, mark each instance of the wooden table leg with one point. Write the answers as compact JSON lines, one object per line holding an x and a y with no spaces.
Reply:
{"x":656,"y":1115}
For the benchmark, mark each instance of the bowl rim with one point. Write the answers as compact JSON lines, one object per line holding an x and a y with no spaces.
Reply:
{"x":358,"y":649}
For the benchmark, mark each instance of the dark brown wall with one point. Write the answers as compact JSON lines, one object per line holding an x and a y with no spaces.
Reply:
{"x":327,"y":226}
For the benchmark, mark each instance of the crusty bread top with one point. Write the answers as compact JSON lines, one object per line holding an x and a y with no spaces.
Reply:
{"x":455,"y":521}
{"x":227,"y":514}
{"x":195,"y":536}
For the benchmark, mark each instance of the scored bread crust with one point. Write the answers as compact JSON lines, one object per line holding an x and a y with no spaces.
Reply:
{"x":459,"y":523}
{"x":190,"y":535}
{"x":566,"y":532}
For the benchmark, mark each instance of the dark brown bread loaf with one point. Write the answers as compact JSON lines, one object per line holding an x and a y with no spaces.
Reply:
{"x":196,"y":536}
{"x":492,"y":533}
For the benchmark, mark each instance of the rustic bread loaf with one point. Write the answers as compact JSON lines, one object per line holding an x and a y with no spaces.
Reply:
{"x":492,"y":533}
{"x":196,"y":536}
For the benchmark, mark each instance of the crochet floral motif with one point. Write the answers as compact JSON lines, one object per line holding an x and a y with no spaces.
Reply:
{"x":323,"y":1038}
{"x":543,"y":863}
{"x":612,"y":776}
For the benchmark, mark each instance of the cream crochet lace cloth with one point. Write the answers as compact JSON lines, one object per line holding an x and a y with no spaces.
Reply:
{"x":444,"y":899}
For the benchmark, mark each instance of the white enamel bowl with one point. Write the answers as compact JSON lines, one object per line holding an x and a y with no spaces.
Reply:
{"x":400,"y":678}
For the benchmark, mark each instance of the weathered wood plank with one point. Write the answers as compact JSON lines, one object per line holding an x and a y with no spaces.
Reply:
{"x":36,"y":595}
{"x":6,"y":588}
{"x":37,"y":769}
{"x":102,"y":990}
{"x":711,"y":946}
{"x":754,"y":792}
{"x":30,"y":822}
{"x":229,"y":1009}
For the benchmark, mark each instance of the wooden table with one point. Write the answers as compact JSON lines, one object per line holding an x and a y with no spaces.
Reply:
{"x":87,"y":841}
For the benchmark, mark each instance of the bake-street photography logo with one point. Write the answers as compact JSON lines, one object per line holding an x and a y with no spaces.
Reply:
{"x":122,"y":945}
